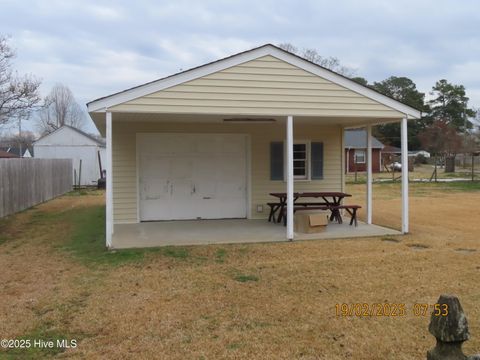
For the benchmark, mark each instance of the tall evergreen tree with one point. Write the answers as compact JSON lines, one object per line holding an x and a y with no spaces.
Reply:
{"x":404,"y":90}
{"x":451,"y":105}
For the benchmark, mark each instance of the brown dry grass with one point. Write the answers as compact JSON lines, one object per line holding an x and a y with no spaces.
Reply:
{"x":193,"y":306}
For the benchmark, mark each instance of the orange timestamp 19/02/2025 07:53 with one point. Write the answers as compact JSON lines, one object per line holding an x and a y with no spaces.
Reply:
{"x":389,"y":309}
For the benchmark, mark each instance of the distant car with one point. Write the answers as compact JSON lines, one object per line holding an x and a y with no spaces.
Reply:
{"x":396,"y":166}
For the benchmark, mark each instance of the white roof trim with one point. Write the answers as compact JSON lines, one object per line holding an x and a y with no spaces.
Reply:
{"x":61,"y":128}
{"x":102,"y":104}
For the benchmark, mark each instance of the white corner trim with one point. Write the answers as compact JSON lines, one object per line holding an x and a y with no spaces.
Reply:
{"x":404,"y":145}
{"x":290,"y":179}
{"x":248,"y":141}
{"x":369,"y":175}
{"x":101,"y":104}
{"x":109,"y":190}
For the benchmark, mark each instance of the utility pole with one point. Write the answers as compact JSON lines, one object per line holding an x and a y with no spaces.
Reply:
{"x":20,"y":136}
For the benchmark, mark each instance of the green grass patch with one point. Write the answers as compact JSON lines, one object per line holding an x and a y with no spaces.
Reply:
{"x":234,"y":346}
{"x":464,"y":185}
{"x":39,"y":217}
{"x":220,"y":256}
{"x":83,"y":192}
{"x":175,"y":252}
{"x":245,"y":278}
{"x":87,"y":239}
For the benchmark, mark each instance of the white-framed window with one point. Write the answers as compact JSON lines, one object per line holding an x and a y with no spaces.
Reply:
{"x":359,"y":156}
{"x":307,"y":160}
{"x":301,"y":160}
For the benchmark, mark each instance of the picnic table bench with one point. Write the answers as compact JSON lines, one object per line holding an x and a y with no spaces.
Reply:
{"x":331,"y":201}
{"x":351,"y":209}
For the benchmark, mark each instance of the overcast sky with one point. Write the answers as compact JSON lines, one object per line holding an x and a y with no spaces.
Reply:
{"x":100,"y":47}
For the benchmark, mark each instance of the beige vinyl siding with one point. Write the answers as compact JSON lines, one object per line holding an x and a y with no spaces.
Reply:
{"x":125,"y":167}
{"x":265,"y":86}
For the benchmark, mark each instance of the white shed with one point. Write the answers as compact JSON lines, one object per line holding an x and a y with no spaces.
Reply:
{"x":70,"y":143}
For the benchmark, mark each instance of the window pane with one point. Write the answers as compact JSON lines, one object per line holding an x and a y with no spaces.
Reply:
{"x":299,"y":172}
{"x":299,"y":155}
{"x":300,"y":161}
{"x":299,"y":164}
{"x":299,"y":147}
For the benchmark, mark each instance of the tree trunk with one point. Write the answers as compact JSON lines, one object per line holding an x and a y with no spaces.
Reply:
{"x":473,"y":167}
{"x":449,"y":164}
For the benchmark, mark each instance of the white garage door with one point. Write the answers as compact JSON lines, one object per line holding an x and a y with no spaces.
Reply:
{"x":192,"y":176}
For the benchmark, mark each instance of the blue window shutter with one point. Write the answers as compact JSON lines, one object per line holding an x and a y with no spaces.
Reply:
{"x":317,"y":160}
{"x":276,"y":160}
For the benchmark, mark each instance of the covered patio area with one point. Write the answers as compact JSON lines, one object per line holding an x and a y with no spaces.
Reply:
{"x":229,"y":231}
{"x":218,"y":141}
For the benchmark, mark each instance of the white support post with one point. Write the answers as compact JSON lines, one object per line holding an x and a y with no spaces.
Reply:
{"x":369,"y":174}
{"x":404,"y":142}
{"x":289,"y":143}
{"x":342,"y":156}
{"x":109,"y":190}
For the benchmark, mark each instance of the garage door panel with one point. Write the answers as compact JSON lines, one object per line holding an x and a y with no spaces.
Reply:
{"x":190,"y":176}
{"x":233,"y":145}
{"x":181,"y":168}
{"x":207,"y":145}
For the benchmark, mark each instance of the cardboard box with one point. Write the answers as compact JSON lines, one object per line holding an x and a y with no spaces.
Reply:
{"x":311,"y":221}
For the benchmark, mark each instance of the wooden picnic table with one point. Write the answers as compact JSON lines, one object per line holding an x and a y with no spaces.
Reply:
{"x":331,"y":200}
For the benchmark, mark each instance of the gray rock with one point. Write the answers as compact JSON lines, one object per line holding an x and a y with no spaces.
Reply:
{"x":454,"y":326}
{"x":446,"y":351}
{"x":474,"y":357}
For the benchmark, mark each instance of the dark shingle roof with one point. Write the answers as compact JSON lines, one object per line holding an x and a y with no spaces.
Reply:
{"x":357,"y":139}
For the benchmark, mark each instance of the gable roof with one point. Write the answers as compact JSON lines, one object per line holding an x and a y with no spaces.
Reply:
{"x":357,"y":139}
{"x":392,"y":149}
{"x":99,"y":142}
{"x":103,"y":103}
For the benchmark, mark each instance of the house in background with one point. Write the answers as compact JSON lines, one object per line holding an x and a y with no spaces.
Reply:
{"x":356,"y":151}
{"x":214,"y":141}
{"x":70,"y":143}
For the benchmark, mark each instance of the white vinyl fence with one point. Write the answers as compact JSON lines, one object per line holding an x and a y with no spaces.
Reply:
{"x":27,"y":182}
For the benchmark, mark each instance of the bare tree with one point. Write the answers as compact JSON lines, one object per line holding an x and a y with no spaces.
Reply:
{"x":23,"y":140}
{"x":18,"y":94}
{"x":60,"y":108}
{"x":288,"y":47}
{"x":312,"y":55}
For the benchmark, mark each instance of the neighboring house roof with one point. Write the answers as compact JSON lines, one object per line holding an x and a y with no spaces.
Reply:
{"x":98,"y":141}
{"x":391,"y":149}
{"x":357,"y":139}
{"x":5,"y":154}
{"x":101,"y":104}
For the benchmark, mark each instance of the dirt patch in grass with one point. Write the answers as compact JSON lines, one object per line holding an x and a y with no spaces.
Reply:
{"x":185,"y":302}
{"x":465,"y":251}
{"x":391,"y":239}
{"x":418,"y":246}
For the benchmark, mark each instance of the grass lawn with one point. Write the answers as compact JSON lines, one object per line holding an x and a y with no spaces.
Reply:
{"x":420,"y":172}
{"x":254,"y":301}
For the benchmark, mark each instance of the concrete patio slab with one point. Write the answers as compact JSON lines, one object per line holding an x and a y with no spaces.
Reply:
{"x":229,"y":231}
